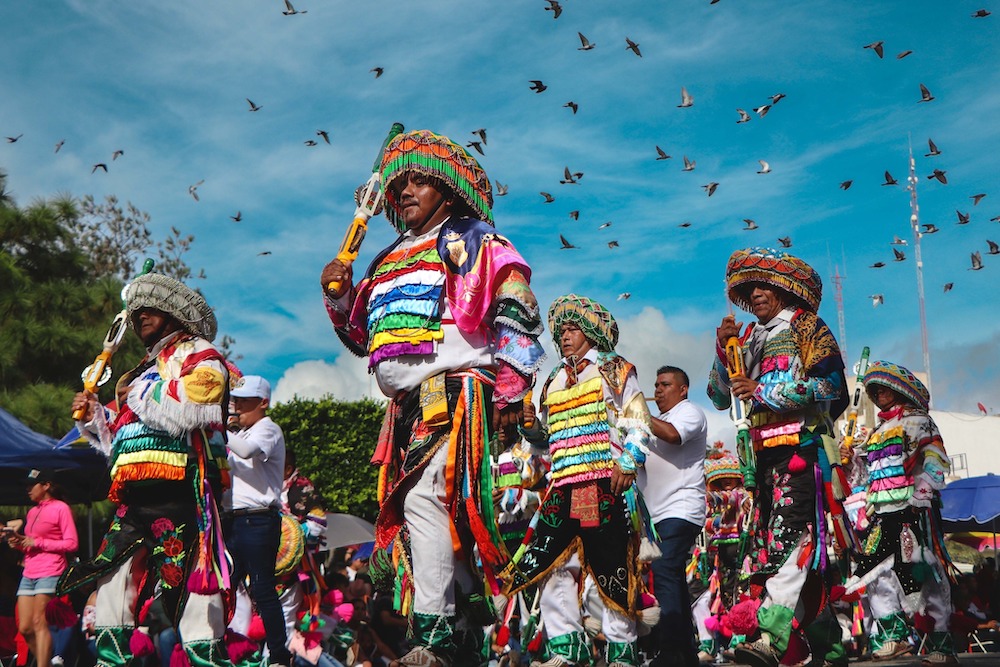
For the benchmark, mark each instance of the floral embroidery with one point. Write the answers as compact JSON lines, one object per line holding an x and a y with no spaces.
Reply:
{"x":171,"y":575}
{"x":161,"y":526}
{"x":170,"y":552}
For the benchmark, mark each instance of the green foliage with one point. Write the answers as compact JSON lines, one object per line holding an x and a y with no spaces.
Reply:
{"x":333,"y":442}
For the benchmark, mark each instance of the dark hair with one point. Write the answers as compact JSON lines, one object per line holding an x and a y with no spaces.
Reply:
{"x":673,"y":370}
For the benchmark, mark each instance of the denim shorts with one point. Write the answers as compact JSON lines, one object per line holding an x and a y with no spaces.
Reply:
{"x":39,"y":586}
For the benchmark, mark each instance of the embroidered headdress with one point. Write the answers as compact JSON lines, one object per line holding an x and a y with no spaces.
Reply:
{"x":595,"y":321}
{"x":775,"y":268}
{"x":900,"y":380}
{"x":437,"y":156}
{"x":720,"y":464}
{"x":155,"y":290}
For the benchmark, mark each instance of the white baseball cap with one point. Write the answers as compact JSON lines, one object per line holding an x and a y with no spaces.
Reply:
{"x":252,"y":386}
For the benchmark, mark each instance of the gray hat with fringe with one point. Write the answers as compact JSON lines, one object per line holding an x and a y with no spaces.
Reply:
{"x":160,"y":292}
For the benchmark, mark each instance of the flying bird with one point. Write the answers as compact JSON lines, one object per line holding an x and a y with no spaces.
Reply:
{"x":13,"y":140}
{"x":925,"y":95}
{"x":481,"y":132}
{"x":100,"y":165}
{"x":765,"y":168}
{"x":710,"y":188}
{"x":963,"y":218}
{"x":900,"y":255}
{"x":575,"y":215}
{"x":688,"y":164}
{"x":948,"y":286}
{"x":777,"y":98}
{"x":379,"y":71}
{"x":661,"y":154}
{"x":762,"y":110}
{"x":930,"y":229}
{"x":59,"y":144}
{"x":889,"y":180}
{"x":324,"y":134}
{"x":238,"y":217}
{"x":311,"y":142}
{"x":633,"y":46}
{"x":977,"y":261}
{"x":571,"y":177}
{"x":572,"y":105}
{"x":477,"y":146}
{"x":744,"y":116}
{"x":585,"y":44}
{"x":624,"y":296}
{"x":686,"y":99}
{"x":845,"y":185}
{"x":193,"y":189}
{"x":537,"y":86}
{"x":995,"y":219}
{"x":291,"y":11}
{"x":253,"y":107}
{"x":877,"y":265}
{"x":548,"y":198}
{"x":940,"y":175}
{"x":268,"y":252}
{"x":980,"y":14}
{"x":785,"y":241}
{"x":501,"y":189}
{"x":612,"y":244}
{"x":605,"y":225}
{"x":977,"y":198}
{"x":117,"y":154}
{"x":994,"y":248}
{"x":684,"y":225}
{"x":898,"y":241}
{"x":877,"y":300}
{"x":932,"y":149}
{"x":903,"y":54}
{"x":876,"y":47}
{"x":750,"y":225}
{"x":566,"y":245}
{"x":554,"y":7}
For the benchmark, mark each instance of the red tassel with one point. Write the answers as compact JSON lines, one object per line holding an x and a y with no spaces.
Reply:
{"x":201,"y":584}
{"x":798,"y":650}
{"x":144,"y":610}
{"x":503,"y":636}
{"x":179,"y":657}
{"x":797,"y":464}
{"x":140,"y":644}
{"x":535,"y":645}
{"x":60,"y":613}
{"x":256,"y":631}
{"x":239,"y":647}
{"x":837,"y":592}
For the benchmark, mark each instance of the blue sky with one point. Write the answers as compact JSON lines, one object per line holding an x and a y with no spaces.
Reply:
{"x":167,"y":82}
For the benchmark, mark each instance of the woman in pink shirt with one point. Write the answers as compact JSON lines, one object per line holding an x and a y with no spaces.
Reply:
{"x":49,"y":534}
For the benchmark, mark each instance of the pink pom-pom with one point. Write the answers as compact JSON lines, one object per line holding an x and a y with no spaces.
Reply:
{"x":797,"y":464}
{"x":60,"y":613}
{"x":646,"y":601}
{"x":256,"y":630}
{"x":345,"y":612}
{"x":713,"y":625}
{"x":140,"y":644}
{"x":837,"y":592}
{"x":743,"y":617}
{"x":179,"y":657}
{"x":239,"y":647}
{"x":333,"y":598}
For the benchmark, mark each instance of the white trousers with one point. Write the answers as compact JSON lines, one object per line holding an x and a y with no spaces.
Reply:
{"x":886,"y":597}
{"x":560,"y":607}
{"x":435,"y":567}
{"x":700,"y":611}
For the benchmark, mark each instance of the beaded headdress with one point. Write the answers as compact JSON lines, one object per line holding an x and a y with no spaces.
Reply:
{"x":721,"y":464}
{"x":595,"y":321}
{"x":900,"y":380}
{"x":774,"y":268}
{"x":160,"y":292}
{"x":437,"y":156}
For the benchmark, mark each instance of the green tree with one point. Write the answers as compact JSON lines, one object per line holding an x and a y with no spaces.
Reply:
{"x":333,"y":442}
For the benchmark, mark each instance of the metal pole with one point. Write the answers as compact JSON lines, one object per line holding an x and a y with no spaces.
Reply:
{"x":915,"y":225}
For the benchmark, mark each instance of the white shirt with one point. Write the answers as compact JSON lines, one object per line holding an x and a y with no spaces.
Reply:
{"x":673,"y":481}
{"x":257,"y":466}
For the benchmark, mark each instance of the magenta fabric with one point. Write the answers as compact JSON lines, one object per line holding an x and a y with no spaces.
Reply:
{"x":50,"y":524}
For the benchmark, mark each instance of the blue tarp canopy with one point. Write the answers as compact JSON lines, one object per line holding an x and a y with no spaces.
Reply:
{"x":971,"y":504}
{"x":80,"y":470}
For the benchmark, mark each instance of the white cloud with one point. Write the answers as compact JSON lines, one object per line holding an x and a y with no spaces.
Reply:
{"x":346,"y":378}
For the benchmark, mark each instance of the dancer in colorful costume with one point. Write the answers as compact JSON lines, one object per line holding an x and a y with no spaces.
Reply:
{"x":167,"y":447}
{"x":450,"y":327}
{"x":903,"y":558}
{"x":595,"y":420}
{"x":718,"y":567}
{"x":796,"y":387}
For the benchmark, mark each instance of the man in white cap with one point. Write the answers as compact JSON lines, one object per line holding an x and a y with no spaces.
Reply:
{"x":251,"y":519}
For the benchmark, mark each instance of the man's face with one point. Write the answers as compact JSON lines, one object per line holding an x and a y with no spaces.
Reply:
{"x":883,"y":397}
{"x":249,"y":411}
{"x":153,"y":325}
{"x":572,"y":342}
{"x":668,"y":391}
{"x":421,"y":204}
{"x":766,"y":302}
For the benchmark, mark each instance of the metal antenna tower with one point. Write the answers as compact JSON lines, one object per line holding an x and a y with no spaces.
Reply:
{"x":915,"y":224}
{"x":838,"y":287}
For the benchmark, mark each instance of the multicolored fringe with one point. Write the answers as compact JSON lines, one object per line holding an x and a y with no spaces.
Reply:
{"x":579,"y":441}
{"x":772,"y":267}
{"x":211,"y":570}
